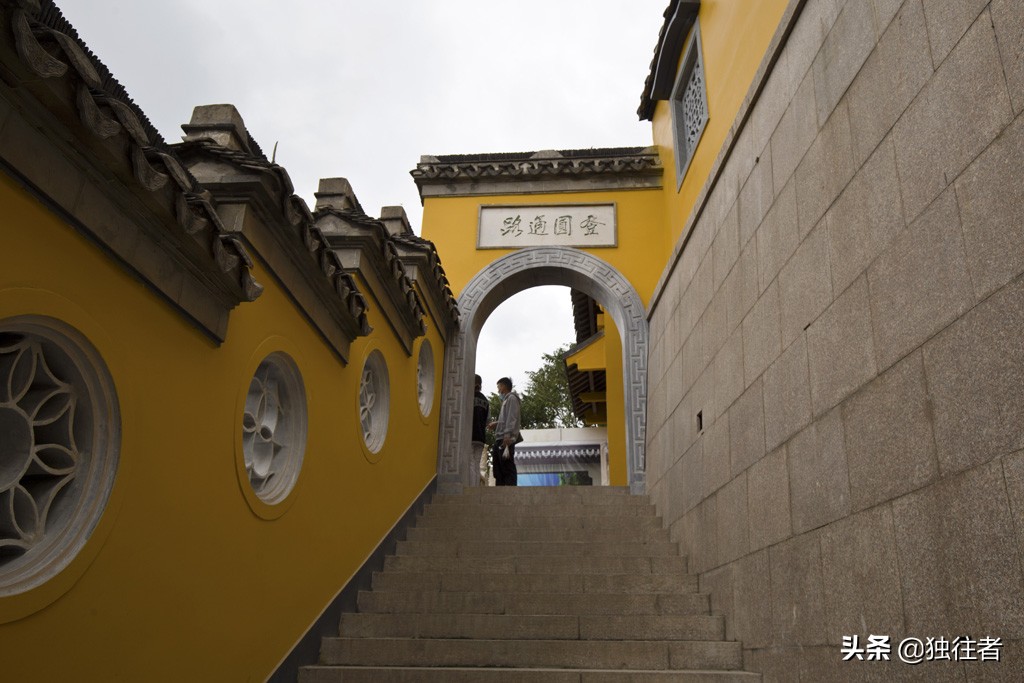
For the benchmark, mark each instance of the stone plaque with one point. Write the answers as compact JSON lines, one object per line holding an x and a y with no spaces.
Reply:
{"x":547,"y":225}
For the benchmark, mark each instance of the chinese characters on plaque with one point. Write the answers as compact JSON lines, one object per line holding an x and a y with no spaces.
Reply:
{"x":554,"y":225}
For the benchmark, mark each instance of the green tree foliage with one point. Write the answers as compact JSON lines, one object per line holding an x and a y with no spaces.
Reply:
{"x":546,"y":402}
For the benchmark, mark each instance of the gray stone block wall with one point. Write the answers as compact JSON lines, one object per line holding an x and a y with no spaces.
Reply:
{"x":848,"y":317}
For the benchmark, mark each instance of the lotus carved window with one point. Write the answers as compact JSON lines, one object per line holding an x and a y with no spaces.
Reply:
{"x":274,"y":428}
{"x":59,"y":437}
{"x":425,"y":378}
{"x":374,"y":399}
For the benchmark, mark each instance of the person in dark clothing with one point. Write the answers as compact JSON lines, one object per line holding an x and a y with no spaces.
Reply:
{"x":481,"y":411}
{"x":506,"y":435}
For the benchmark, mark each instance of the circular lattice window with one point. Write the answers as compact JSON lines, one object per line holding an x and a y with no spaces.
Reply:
{"x":374,"y":400}
{"x":274,"y":428}
{"x":425,"y":378}
{"x":59,"y":441}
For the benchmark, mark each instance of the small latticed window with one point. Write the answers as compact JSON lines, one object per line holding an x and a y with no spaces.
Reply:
{"x":689,"y":104}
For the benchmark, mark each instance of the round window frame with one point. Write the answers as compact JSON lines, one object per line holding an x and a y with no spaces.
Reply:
{"x":281,"y":498}
{"x":83,"y":515}
{"x":374,"y":360}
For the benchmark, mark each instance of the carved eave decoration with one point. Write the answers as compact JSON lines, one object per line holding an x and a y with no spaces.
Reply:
{"x":680,"y":16}
{"x":255,"y":200}
{"x":577,"y":170}
{"x":423,"y":265}
{"x":365,"y":249}
{"x":75,"y":139}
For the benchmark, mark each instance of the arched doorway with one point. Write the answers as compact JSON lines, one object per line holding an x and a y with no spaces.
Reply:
{"x":525,"y":268}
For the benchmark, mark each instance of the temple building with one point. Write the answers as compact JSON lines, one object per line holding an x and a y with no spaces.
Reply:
{"x":798,"y":319}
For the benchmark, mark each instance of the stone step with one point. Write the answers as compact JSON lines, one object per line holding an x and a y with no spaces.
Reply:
{"x":548,"y":535}
{"x":553,"y":654}
{"x":501,"y":548}
{"x":536,"y":583}
{"x":485,"y":511}
{"x":527,"y":496}
{"x":397,"y":674}
{"x":603,"y":627}
{"x":536,"y":564}
{"x":528,"y":521}
{"x":500,"y":601}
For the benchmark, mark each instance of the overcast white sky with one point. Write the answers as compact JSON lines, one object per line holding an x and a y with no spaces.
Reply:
{"x":362,"y":88}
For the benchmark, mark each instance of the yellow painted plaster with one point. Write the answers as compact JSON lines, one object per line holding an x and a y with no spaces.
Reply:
{"x":180,"y":560}
{"x":735,"y":35}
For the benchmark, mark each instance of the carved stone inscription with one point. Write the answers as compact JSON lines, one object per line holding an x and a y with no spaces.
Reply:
{"x":562,"y":225}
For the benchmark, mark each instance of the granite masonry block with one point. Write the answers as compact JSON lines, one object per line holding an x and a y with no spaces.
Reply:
{"x":819,"y":483}
{"x":714,"y":328}
{"x":746,"y":429}
{"x":762,"y":334}
{"x":959,"y":112}
{"x":691,"y":359}
{"x":740,"y":287}
{"x":890,"y":449}
{"x":795,"y":132}
{"x":960,"y":569}
{"x":798,"y":599}
{"x":1013,"y":474}
{"x":704,"y":400}
{"x":776,"y":237}
{"x":825,"y":170}
{"x":756,"y":197}
{"x":1009,"y":26}
{"x":840,"y":348}
{"x":716,"y":470}
{"x":895,"y":72}
{"x":990,"y":195}
{"x":805,"y":285}
{"x":865,"y":218}
{"x":842,"y":54}
{"x":674,"y":383}
{"x":704,"y":553}
{"x":752,"y":604}
{"x":725,"y":249}
{"x":885,"y":11}
{"x":718,"y":584}
{"x":1006,"y":670}
{"x":742,"y":160}
{"x":808,"y":35}
{"x":733,"y":520}
{"x":777,"y":93}
{"x":775,"y":664}
{"x":787,"y":395}
{"x":703,"y":286}
{"x":768,"y":500}
{"x":920,"y":283}
{"x":861,"y":576}
{"x":948,"y":21}
{"x":689,"y":482}
{"x":728,"y":371}
{"x":819,"y":664}
{"x":975,"y":371}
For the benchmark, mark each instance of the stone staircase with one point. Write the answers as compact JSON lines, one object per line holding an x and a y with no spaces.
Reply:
{"x":561,"y":584}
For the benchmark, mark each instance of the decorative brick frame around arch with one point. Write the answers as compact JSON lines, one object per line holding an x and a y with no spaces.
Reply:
{"x":457,"y":464}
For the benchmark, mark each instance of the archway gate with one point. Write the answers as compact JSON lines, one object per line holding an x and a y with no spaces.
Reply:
{"x":587,"y":219}
{"x":529,"y":267}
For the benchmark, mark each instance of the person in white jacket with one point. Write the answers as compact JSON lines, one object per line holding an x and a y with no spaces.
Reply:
{"x":506,"y":435}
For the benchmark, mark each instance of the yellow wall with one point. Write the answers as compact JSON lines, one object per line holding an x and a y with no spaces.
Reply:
{"x":180,"y":563}
{"x":618,"y":471}
{"x":451,"y":223}
{"x":735,"y":35}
